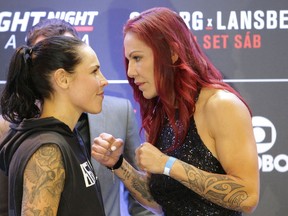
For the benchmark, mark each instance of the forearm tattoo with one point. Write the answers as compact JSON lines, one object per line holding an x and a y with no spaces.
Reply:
{"x":137,"y":182}
{"x":219,"y":189}
{"x":43,"y":182}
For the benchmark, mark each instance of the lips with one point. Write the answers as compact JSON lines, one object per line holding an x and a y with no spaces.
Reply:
{"x":140,"y":84}
{"x":101,"y":94}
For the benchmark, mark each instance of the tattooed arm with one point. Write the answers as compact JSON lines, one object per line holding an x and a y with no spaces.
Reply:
{"x":43,"y":182}
{"x":224,"y":124}
{"x":135,"y":181}
{"x":137,"y":184}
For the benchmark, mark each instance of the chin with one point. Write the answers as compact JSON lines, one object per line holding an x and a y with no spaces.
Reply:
{"x":95,"y":111}
{"x":149,"y":96}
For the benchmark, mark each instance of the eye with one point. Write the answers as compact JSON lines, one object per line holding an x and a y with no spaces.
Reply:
{"x":137,"y":58}
{"x":95,"y":71}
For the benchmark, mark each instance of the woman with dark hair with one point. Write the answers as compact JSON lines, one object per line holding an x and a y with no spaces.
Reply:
{"x":48,"y":87}
{"x":200,"y":157}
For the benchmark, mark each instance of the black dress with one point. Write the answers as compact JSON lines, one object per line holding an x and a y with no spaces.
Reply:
{"x":175,"y":198}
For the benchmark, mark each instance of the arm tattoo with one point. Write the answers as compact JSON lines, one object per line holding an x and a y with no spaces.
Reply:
{"x":43,"y":183}
{"x":138,"y":183}
{"x":219,"y":189}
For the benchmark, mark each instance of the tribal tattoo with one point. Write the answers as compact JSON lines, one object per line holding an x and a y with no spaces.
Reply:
{"x":219,"y":189}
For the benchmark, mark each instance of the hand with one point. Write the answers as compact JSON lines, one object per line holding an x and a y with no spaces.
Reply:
{"x":150,"y":159}
{"x":106,"y":149}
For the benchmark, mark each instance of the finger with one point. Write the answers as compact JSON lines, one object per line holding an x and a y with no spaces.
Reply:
{"x":118,"y":143}
{"x":108,"y":137}
{"x":100,"y":157}
{"x":101,"y":142}
{"x":114,"y":144}
{"x":113,"y":148}
{"x":99,"y":149}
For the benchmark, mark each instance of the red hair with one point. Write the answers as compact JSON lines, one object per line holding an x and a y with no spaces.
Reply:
{"x":177,"y":83}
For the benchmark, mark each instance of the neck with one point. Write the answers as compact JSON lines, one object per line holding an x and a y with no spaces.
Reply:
{"x":61,"y":112}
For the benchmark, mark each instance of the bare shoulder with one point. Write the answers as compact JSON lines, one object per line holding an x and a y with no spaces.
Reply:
{"x":221,"y":107}
{"x":221,"y":118}
{"x":223,"y":102}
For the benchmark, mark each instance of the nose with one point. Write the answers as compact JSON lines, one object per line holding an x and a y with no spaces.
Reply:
{"x":103,"y":80}
{"x":131,"y":72}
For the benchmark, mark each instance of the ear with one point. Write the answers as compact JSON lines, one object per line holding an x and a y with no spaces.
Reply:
{"x":174,"y":57}
{"x":61,"y":78}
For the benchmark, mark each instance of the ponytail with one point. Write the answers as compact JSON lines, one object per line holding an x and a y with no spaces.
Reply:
{"x":18,"y":97}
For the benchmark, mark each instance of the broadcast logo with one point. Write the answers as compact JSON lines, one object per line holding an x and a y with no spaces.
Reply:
{"x":265,"y":136}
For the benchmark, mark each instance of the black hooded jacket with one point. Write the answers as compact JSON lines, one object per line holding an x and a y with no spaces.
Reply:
{"x":81,"y":194}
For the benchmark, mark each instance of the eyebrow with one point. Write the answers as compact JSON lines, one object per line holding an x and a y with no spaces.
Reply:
{"x":95,"y":67}
{"x":131,"y":53}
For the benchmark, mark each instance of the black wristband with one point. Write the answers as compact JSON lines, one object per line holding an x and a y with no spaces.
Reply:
{"x":118,"y":163}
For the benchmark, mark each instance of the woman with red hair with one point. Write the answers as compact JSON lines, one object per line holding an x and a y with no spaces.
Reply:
{"x":200,"y":157}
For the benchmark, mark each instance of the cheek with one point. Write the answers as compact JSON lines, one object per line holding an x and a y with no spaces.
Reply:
{"x":150,"y":73}
{"x":89,"y":82}
{"x":85,"y":87}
